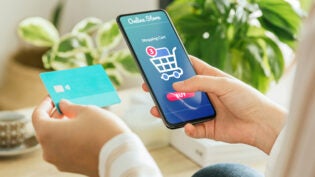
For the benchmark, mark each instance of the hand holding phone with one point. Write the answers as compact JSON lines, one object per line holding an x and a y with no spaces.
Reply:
{"x":163,"y":60}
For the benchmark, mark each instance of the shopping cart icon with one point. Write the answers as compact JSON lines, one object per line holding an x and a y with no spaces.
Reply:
{"x":166,"y":63}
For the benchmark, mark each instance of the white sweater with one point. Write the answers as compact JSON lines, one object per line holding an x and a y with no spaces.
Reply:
{"x":126,"y":156}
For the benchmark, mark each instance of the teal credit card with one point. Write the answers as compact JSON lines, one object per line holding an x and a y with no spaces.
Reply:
{"x":85,"y":86}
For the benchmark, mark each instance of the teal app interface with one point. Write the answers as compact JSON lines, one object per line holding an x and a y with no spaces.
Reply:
{"x":164,"y":61}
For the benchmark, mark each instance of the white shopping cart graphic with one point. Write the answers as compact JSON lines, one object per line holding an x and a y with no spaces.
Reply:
{"x":165,"y":62}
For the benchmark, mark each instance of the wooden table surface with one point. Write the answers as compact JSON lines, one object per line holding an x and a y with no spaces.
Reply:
{"x":171,"y":162}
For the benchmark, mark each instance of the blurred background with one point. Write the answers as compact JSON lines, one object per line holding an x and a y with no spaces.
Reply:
{"x":254,"y":42}
{"x":74,"y":10}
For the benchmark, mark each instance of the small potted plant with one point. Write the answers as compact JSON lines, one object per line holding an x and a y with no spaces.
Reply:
{"x":91,"y":41}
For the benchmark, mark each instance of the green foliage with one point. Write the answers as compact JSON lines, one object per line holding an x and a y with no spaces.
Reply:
{"x":90,"y":42}
{"x":38,"y":32}
{"x":238,"y":36}
{"x":57,"y":13}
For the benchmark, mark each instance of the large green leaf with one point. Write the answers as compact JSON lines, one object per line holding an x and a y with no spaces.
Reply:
{"x":125,"y":60}
{"x":222,"y":7}
{"x":255,"y":71}
{"x":73,"y":50}
{"x":213,"y":50}
{"x":61,"y":63}
{"x":87,"y":25}
{"x":255,"y":52}
{"x":196,"y":24}
{"x":108,"y":36}
{"x":280,"y":18}
{"x":72,"y":44}
{"x":218,"y":47}
{"x":260,"y":81}
{"x":275,"y":58}
{"x":180,"y":8}
{"x":38,"y":31}
{"x":235,"y":64}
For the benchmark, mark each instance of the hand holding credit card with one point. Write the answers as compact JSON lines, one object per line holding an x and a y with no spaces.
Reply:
{"x":85,"y":86}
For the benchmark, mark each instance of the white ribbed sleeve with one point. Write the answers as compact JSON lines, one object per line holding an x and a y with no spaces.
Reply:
{"x":126,"y":156}
{"x":274,"y":153}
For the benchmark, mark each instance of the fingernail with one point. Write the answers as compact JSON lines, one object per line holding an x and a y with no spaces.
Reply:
{"x":64,"y":101}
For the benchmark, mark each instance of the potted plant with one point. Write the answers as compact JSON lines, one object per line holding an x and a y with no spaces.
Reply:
{"x":90,"y":42}
{"x":240,"y":37}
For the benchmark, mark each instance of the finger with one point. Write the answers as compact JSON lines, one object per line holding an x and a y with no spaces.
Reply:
{"x":204,"y":68}
{"x":145,"y":87}
{"x":191,"y":130}
{"x":199,"y":130}
{"x":56,"y":114}
{"x":216,"y":85}
{"x":42,"y":111}
{"x":69,"y":109}
{"x":155,"y":112}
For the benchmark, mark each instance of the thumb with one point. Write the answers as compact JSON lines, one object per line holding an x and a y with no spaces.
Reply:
{"x":69,"y":109}
{"x":210,"y":84}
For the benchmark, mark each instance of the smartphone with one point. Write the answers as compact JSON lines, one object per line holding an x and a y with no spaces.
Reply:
{"x":163,"y":60}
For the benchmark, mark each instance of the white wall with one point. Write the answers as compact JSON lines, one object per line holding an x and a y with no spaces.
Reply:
{"x":13,"y":11}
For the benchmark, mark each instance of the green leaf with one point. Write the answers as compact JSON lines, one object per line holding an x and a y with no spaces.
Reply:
{"x":57,"y":13}
{"x":283,"y":35}
{"x":47,"y":58}
{"x":196,"y":24}
{"x":275,"y":58}
{"x":38,"y":31}
{"x":259,"y":74}
{"x":179,"y":8}
{"x":215,"y":49}
{"x":87,"y":25}
{"x":72,"y":44}
{"x":61,"y":63}
{"x":114,"y":76}
{"x":222,"y":6}
{"x":124,"y":60}
{"x":108,"y":36}
{"x":109,"y":65}
{"x":256,"y":52}
{"x":260,"y":81}
{"x":280,"y":18}
{"x":254,"y":31}
{"x":89,"y":58}
{"x":235,"y":65}
{"x":249,"y":70}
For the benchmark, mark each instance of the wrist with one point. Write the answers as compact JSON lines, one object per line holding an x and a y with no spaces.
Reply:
{"x":269,"y":126}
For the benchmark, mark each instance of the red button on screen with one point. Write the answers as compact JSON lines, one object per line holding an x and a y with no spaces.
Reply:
{"x":174,"y":96}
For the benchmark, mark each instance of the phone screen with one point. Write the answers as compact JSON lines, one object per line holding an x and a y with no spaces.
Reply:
{"x":163,"y":61}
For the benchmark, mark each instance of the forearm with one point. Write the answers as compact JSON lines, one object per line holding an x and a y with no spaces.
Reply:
{"x":269,"y":126}
{"x":125,"y":155}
